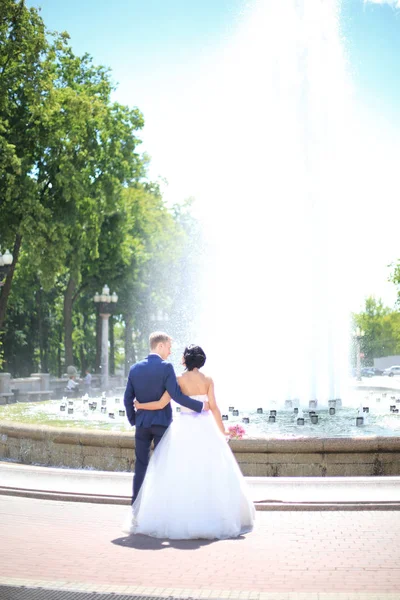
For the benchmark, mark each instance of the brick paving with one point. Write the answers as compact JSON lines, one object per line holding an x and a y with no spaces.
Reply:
{"x":289,"y":555}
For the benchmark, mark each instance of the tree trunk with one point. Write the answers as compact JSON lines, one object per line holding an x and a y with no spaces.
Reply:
{"x":59,"y":362}
{"x":98,"y":344}
{"x":130,"y":357}
{"x":40,"y":325}
{"x":82,"y":350}
{"x":82,"y":356}
{"x":68,"y":306}
{"x":6,"y":288}
{"x":43,"y":333}
{"x":112,"y":346}
{"x":32,"y":365}
{"x":45,"y":363}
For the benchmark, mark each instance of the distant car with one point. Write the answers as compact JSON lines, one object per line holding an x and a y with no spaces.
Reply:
{"x":376,"y":370}
{"x":367,"y":372}
{"x":391,"y":371}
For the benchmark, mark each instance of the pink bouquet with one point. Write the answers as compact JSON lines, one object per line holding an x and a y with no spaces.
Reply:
{"x":236,"y":432}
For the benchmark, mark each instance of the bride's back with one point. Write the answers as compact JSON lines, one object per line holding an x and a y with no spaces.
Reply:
{"x":194,"y":383}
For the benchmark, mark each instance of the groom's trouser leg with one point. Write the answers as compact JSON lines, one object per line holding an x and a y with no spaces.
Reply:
{"x":158,"y":431}
{"x":143,"y":438}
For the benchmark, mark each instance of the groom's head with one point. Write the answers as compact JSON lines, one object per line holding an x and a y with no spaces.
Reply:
{"x":160,"y":343}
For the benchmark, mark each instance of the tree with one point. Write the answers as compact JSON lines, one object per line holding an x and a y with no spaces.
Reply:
{"x":382,"y":330}
{"x":152,"y":242}
{"x":25,"y":81}
{"x":67,"y":152}
{"x":89,"y":158}
{"x":75,"y":207}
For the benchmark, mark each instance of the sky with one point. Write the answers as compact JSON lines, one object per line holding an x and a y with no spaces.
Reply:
{"x":161,"y":52}
{"x":372,"y":40}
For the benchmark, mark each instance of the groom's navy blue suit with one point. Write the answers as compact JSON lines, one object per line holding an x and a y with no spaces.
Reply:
{"x":147,"y":381}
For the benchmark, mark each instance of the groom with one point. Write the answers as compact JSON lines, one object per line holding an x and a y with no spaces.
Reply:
{"x":147,"y":381}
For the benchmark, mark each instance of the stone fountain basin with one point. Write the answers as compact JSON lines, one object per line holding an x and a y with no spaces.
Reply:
{"x":114,"y":451}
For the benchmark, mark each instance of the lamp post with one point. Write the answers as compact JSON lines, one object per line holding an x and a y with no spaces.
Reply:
{"x":105,"y":304}
{"x":358,"y":336}
{"x":5,"y":264}
{"x":159,"y":318}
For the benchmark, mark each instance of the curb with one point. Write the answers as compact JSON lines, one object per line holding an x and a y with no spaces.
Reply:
{"x":260,"y":505}
{"x":327,"y":506}
{"x":64,"y":496}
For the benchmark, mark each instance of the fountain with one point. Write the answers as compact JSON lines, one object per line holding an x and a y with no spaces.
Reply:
{"x":95,"y":416}
{"x":277,"y":441}
{"x":272,"y":290}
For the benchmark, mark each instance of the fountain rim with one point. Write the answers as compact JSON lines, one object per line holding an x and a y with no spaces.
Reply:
{"x":306,"y":445}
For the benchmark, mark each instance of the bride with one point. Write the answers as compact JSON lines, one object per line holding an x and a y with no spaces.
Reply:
{"x":193,"y":486}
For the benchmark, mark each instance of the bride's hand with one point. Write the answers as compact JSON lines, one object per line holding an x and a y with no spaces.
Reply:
{"x":137,"y":404}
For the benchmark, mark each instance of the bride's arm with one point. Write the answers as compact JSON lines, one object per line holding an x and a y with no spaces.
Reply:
{"x":156,"y":405}
{"x":214,"y":407}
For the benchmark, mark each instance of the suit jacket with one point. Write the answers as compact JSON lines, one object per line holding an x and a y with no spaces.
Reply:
{"x":147,"y":381}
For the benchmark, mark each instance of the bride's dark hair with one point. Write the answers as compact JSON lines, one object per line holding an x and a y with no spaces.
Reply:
{"x":194,"y":357}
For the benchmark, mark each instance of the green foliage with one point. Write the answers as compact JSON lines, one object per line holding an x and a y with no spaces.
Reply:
{"x":25,"y":78}
{"x":73,"y":191}
{"x":382,"y":330}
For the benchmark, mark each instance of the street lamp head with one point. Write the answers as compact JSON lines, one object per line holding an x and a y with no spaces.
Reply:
{"x":7,"y":258}
{"x":96,"y":297}
{"x":105,"y":291}
{"x":114,"y":297}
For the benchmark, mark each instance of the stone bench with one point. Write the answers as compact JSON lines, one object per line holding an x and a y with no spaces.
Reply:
{"x":75,"y":393}
{"x":34,"y":396}
{"x":7,"y":398}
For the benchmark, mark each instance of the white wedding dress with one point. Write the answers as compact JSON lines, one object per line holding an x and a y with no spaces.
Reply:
{"x":193,"y":486}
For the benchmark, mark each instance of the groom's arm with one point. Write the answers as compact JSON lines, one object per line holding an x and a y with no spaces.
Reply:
{"x":129,"y":397}
{"x":172,"y":387}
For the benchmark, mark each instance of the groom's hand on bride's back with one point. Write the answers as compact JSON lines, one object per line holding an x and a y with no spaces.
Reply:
{"x":206,"y":405}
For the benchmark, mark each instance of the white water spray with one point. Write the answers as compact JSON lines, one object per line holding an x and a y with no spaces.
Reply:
{"x":270,"y":141}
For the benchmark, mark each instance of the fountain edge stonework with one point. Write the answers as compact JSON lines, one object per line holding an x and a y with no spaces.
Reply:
{"x":110,"y":451}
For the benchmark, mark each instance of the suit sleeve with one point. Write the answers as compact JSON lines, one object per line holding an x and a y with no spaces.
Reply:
{"x":172,"y":387}
{"x":129,"y":397}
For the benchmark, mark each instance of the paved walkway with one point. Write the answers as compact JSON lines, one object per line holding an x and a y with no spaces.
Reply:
{"x":291,"y":555}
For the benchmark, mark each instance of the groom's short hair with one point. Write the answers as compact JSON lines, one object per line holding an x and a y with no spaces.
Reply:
{"x":157,"y":337}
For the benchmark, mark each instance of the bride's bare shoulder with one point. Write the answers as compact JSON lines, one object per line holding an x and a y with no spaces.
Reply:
{"x":182,"y":377}
{"x":208,"y":379}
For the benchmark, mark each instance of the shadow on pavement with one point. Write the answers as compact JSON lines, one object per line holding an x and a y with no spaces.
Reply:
{"x":144,"y":542}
